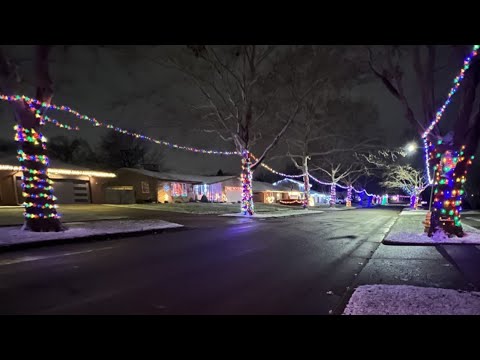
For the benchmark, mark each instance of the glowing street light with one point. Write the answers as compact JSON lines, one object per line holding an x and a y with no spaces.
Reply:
{"x":411,"y":148}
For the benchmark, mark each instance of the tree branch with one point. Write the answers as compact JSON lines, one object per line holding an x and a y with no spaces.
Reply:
{"x":285,"y":127}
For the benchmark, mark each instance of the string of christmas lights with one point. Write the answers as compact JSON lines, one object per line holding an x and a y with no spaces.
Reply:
{"x":33,"y":102}
{"x":247,"y":206}
{"x":456,"y":84}
{"x":349,"y":197}
{"x":336,"y":184}
{"x":59,"y":124}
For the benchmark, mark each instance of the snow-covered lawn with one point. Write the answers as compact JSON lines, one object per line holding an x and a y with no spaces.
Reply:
{"x":260,"y":215}
{"x":210,"y":208}
{"x":411,"y":300}
{"x":409,"y":229}
{"x":15,"y":235}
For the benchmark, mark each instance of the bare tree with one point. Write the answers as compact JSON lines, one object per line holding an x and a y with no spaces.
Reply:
{"x":40,"y":207}
{"x":328,"y":112}
{"x":329,"y":132}
{"x":360,"y":170}
{"x":339,"y":170}
{"x":406,"y":178}
{"x":250,"y":91}
{"x":390,"y":66}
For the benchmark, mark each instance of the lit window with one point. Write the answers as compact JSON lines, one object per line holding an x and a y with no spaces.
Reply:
{"x":179,"y":189}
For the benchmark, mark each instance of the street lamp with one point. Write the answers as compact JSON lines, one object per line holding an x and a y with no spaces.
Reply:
{"x":411,"y":148}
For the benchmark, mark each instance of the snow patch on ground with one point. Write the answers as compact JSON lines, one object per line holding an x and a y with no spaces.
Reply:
{"x":275,"y":215}
{"x":413,"y":212}
{"x":410,"y":230}
{"x":412,"y":238}
{"x":15,"y":235}
{"x":411,"y":300}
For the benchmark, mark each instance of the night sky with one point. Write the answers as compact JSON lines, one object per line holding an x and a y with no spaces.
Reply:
{"x":134,"y":93}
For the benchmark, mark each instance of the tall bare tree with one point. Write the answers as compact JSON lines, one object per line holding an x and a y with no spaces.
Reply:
{"x":251,"y":93}
{"x":40,"y":211}
{"x":329,"y":132}
{"x":391,"y":65}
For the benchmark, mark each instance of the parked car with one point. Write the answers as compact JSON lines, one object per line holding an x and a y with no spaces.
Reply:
{"x":341,"y":201}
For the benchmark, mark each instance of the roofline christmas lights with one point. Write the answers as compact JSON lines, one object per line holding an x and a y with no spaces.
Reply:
{"x":64,"y":171}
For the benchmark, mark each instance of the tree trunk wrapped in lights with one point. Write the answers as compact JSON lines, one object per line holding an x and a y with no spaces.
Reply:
{"x":306,"y":183}
{"x":39,"y":202}
{"x":349,"y":197}
{"x":333,"y":195}
{"x":414,"y":201}
{"x":40,"y":208}
{"x":450,"y":170}
{"x":247,"y":185}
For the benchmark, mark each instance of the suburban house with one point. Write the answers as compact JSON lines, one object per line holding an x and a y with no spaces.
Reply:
{"x":72,"y":184}
{"x":267,"y":193}
{"x":155,"y":186}
{"x":296,"y":188}
{"x":162,"y":187}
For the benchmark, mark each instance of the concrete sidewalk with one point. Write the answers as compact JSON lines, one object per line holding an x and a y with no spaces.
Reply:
{"x":13,"y":237}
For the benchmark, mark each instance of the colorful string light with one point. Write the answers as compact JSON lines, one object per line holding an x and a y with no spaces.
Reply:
{"x":450,"y":175}
{"x":336,"y":184}
{"x":37,"y":190}
{"x":349,"y":197}
{"x":33,"y":102}
{"x":59,"y":124}
{"x":247,"y":206}
{"x":456,"y":84}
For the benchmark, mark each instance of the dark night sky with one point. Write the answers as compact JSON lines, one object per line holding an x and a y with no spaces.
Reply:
{"x":139,"y":94}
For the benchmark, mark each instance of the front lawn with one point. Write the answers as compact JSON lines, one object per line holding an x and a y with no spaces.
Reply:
{"x":213,"y":208}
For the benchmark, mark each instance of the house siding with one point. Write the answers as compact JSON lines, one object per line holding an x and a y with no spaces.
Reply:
{"x":11,"y":192}
{"x":8,"y":194}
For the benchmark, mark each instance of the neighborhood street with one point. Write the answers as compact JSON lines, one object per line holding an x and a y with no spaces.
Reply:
{"x":217,"y":265}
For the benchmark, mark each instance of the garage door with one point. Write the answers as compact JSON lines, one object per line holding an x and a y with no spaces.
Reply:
{"x":68,"y":191}
{"x":233,"y":194}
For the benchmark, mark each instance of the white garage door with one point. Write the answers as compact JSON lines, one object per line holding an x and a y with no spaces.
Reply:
{"x":69,"y":191}
{"x":233,"y":195}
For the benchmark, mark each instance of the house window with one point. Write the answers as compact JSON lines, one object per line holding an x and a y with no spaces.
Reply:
{"x":145,"y":187}
{"x":179,"y":189}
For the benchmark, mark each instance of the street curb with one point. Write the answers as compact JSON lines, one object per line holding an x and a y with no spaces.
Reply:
{"x":345,"y":298}
{"x":72,"y":222}
{"x":84,"y":239}
{"x":272,"y":217}
{"x":396,"y":243}
{"x":384,"y":241}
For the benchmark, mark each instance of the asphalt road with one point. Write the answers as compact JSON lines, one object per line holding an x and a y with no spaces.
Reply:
{"x":298,"y":265}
